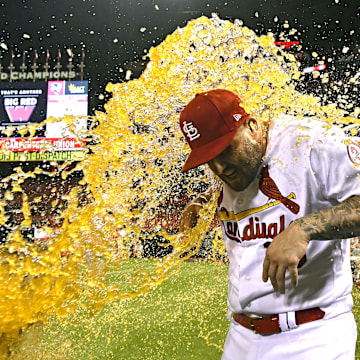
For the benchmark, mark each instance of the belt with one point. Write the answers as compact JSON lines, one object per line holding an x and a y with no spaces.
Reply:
{"x":274,"y":324}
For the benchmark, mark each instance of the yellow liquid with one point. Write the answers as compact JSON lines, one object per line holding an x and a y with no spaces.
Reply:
{"x":133,"y":170}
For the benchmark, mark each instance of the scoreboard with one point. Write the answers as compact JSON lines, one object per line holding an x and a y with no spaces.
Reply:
{"x":30,"y":103}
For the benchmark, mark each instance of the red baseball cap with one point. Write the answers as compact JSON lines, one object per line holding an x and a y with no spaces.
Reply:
{"x":209,"y":122}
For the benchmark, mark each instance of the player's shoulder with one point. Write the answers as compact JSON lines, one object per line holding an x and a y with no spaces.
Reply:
{"x":307,"y":127}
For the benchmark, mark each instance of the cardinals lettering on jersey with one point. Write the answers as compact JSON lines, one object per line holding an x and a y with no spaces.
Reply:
{"x":254,"y":229}
{"x":245,"y":225}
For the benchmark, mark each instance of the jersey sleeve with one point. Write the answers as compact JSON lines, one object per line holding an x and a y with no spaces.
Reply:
{"x":335,"y":162}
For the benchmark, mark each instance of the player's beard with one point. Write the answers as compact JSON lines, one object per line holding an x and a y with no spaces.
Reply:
{"x":248,"y":168}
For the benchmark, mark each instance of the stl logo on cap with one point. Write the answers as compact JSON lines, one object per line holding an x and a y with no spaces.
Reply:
{"x":209,"y":122}
{"x":190,"y":130}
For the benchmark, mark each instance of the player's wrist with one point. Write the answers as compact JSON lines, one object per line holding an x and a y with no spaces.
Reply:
{"x":302,"y":228}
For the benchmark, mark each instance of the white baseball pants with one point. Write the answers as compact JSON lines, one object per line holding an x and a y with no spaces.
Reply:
{"x":327,"y":339}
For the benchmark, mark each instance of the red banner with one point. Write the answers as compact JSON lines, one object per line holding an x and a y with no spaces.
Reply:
{"x":40,"y":144}
{"x":287,"y":44}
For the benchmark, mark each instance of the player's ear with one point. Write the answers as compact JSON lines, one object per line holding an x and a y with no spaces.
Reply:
{"x":253,"y":128}
{"x":252,"y":124}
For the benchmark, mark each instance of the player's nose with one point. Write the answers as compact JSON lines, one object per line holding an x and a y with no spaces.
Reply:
{"x":217,"y":166}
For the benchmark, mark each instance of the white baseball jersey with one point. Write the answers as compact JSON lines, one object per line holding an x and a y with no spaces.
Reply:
{"x":313,"y":169}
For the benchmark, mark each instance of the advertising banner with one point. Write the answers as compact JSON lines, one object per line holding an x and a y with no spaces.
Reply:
{"x":67,"y":98}
{"x":22,"y":103}
{"x":39,"y":144}
{"x":25,"y":103}
{"x":39,"y":149}
{"x":41,"y":156}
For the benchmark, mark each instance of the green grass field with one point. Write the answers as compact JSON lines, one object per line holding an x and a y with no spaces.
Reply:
{"x":184,"y":318}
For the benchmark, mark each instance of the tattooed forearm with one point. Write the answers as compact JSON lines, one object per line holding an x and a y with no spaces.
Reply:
{"x":339,"y":222}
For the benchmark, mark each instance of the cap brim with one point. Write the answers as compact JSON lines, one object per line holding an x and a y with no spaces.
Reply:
{"x":202,"y":155}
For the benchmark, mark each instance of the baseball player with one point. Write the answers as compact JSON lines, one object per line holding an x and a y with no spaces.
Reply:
{"x":288,"y":206}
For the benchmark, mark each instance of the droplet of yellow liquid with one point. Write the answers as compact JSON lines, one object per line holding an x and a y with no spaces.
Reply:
{"x":132,"y":177}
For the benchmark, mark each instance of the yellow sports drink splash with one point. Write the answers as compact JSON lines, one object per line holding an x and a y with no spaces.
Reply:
{"x":132,"y":174}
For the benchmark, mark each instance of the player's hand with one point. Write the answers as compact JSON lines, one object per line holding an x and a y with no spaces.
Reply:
{"x":190,"y":215}
{"x":285,"y":253}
